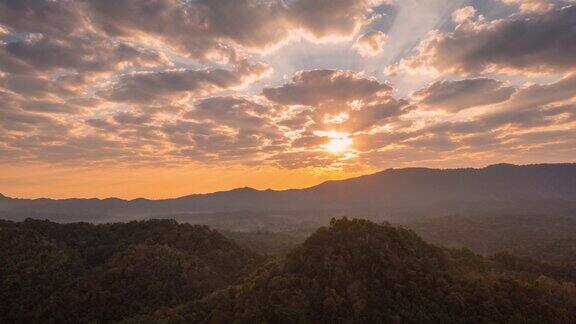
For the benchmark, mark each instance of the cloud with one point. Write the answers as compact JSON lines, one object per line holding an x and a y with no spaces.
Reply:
{"x":147,"y":87}
{"x":318,"y":86}
{"x":302,"y":159}
{"x":537,"y":5}
{"x":453,"y":96}
{"x":464,"y":14}
{"x":37,"y":53}
{"x":532,"y":43}
{"x":37,"y":87}
{"x":335,"y":100}
{"x":168,"y":82}
{"x":529,"y":107}
{"x":537,"y":95}
{"x":224,"y":130}
{"x":372,"y":115}
{"x":209,"y":29}
{"x":371,"y":43}
{"x":230,"y":111}
{"x":37,"y":16}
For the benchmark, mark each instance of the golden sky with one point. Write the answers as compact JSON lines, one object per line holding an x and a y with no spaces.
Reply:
{"x":155,"y":183}
{"x":114,"y":98}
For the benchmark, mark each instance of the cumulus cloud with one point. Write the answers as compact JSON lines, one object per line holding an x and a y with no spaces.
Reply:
{"x":230,"y":111}
{"x":208,"y":29}
{"x":203,"y":29}
{"x":464,"y":14}
{"x":331,"y":104}
{"x":529,"y":107}
{"x":371,"y":44}
{"x":338,"y":100}
{"x":534,"y":119}
{"x":37,"y":54}
{"x":543,"y":94}
{"x":315,"y":87}
{"x":532,"y":43}
{"x":453,"y":96}
{"x":146,"y":87}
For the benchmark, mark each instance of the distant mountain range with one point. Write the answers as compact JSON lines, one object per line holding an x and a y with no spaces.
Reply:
{"x":391,"y":194}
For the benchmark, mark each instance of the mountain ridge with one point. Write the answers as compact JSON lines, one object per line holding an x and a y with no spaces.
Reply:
{"x":252,"y":189}
{"x":392,"y":191}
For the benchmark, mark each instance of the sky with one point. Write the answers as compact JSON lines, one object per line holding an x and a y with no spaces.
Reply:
{"x":164,"y":98}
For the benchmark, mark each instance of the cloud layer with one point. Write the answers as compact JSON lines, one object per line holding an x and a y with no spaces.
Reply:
{"x":169,"y":82}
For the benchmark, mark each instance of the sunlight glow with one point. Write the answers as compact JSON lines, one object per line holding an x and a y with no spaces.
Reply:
{"x":339,"y":143}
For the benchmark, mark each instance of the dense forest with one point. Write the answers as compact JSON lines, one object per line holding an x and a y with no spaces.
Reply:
{"x":541,"y":237}
{"x":352,"y":271}
{"x":83,"y":273}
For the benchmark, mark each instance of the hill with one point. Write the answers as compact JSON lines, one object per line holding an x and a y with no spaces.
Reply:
{"x":356,"y":271}
{"x":85,"y":273}
{"x":394,"y":194}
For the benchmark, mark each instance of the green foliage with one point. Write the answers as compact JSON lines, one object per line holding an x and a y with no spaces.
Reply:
{"x":33,"y":268}
{"x":541,"y":237}
{"x":356,"y":271}
{"x":84,"y":273}
{"x":353,"y":271}
{"x":266,"y":242}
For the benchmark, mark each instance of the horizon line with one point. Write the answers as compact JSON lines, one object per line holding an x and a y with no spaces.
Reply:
{"x":3,"y":195}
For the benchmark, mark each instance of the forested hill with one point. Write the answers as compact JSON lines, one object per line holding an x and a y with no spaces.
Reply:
{"x":82,"y":273}
{"x":356,"y":271}
{"x":547,"y":188}
{"x":353,"y":271}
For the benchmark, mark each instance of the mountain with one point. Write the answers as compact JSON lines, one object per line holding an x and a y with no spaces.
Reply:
{"x":356,"y":271}
{"x":391,"y":194}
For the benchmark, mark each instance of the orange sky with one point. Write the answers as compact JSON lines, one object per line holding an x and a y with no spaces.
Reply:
{"x":172,"y":104}
{"x":155,"y":183}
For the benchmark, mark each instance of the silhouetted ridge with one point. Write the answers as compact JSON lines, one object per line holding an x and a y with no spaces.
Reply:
{"x":412,"y":191}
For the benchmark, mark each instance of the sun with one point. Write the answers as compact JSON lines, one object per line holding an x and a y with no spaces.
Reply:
{"x":338,"y":144}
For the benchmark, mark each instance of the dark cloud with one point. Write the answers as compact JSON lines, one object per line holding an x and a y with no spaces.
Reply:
{"x":318,"y":86}
{"x":37,"y":87}
{"x":217,"y":29}
{"x":453,"y":96}
{"x":38,"y":53}
{"x":41,"y":16}
{"x":536,"y":43}
{"x":233,"y":112}
{"x":542,"y":94}
{"x":372,"y":115}
{"x":144,"y":87}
